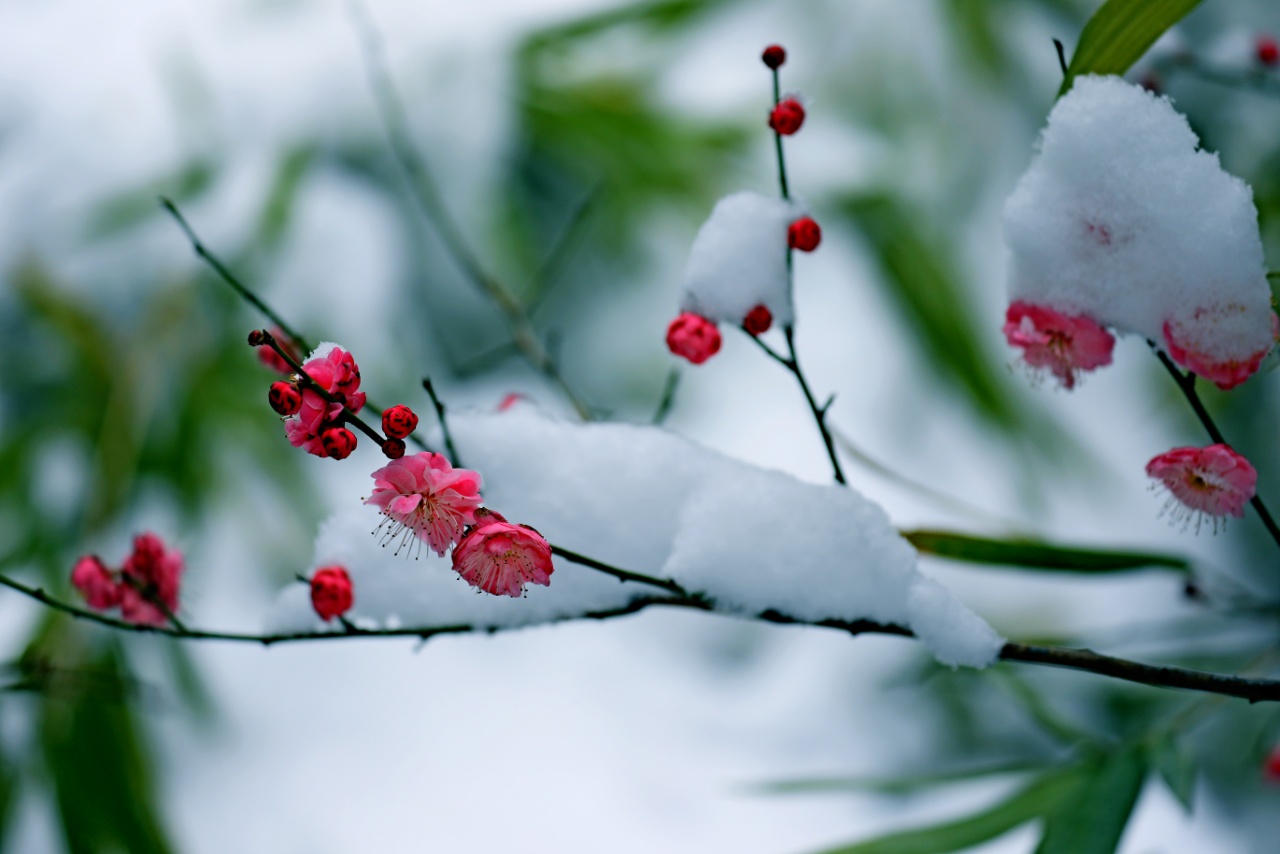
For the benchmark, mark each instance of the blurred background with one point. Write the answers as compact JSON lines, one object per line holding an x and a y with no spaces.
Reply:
{"x":578,"y":144}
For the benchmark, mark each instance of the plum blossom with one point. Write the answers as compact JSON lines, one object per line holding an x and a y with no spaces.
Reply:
{"x":99,"y":587}
{"x":423,"y":495}
{"x":1191,"y":344}
{"x":1061,"y":343}
{"x":150,"y":579}
{"x":1214,"y":481}
{"x":331,"y":594}
{"x":334,"y":370}
{"x":501,"y":558}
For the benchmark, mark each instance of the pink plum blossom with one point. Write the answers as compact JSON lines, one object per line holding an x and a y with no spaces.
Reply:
{"x":1213,"y":481}
{"x":99,"y":587}
{"x":501,"y":558}
{"x":1062,"y":343}
{"x":150,"y":579}
{"x":337,"y":373}
{"x":1188,"y":345}
{"x":424,"y":495}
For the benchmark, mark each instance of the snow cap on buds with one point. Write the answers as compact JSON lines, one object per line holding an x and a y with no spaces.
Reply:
{"x":739,"y":260}
{"x":501,"y":558}
{"x":787,"y":117}
{"x":693,"y":337}
{"x":1063,"y":344}
{"x":331,"y":594}
{"x":1267,"y":50}
{"x":758,"y":320}
{"x":1213,"y":481}
{"x":284,"y":398}
{"x":399,"y":421}
{"x":150,"y":579}
{"x":100,"y":589}
{"x":425,"y":496}
{"x":774,"y":56}
{"x":393,"y":448}
{"x":1124,"y":219}
{"x":338,"y":442}
{"x":804,"y":234}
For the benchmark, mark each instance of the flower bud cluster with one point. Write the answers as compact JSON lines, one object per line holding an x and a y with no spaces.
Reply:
{"x":145,"y":587}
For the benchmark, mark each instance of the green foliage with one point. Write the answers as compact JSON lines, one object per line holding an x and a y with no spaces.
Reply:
{"x":1119,"y":33}
{"x":1033,"y":554}
{"x":1092,"y":819}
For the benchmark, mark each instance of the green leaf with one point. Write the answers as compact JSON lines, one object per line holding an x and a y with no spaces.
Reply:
{"x":1092,"y":821}
{"x":892,"y":785}
{"x":1034,"y":554}
{"x":1119,"y":33}
{"x":1042,"y":796}
{"x":1178,"y":770}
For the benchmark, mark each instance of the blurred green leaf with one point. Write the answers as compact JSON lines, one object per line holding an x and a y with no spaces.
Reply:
{"x":113,"y":807}
{"x":1044,"y":795}
{"x":919,"y":275}
{"x":9,"y":777}
{"x":894,"y":785}
{"x":1177,"y":768}
{"x":1119,"y":33}
{"x":277,"y":211}
{"x":1092,"y":820}
{"x":128,"y":209}
{"x":1033,"y":554}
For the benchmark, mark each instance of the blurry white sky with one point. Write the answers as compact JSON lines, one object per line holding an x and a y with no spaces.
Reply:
{"x":632,"y":736}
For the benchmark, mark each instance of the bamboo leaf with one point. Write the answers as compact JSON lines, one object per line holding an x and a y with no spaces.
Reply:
{"x":1092,"y":821}
{"x":1033,"y":554}
{"x":1119,"y":33}
{"x":892,"y":785}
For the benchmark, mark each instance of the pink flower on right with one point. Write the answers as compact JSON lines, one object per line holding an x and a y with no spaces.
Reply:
{"x":501,"y":558}
{"x":1214,"y":481}
{"x":1063,"y":344}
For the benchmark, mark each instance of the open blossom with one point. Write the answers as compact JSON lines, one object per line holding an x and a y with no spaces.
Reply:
{"x":501,"y":558}
{"x":1191,"y":343}
{"x":1213,"y":481}
{"x":331,"y":594}
{"x":693,"y":337}
{"x":1062,"y":343}
{"x":335,"y":371}
{"x":424,"y":495}
{"x":150,"y":578}
{"x":99,"y":587}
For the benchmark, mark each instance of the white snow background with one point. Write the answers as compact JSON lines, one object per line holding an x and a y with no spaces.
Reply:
{"x":634,"y":735}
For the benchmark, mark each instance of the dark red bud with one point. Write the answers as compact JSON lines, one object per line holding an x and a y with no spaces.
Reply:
{"x":284,"y":398}
{"x":774,"y":56}
{"x":338,"y":442}
{"x":399,"y":421}
{"x":804,"y":234}
{"x":393,"y":448}
{"x":758,"y":320}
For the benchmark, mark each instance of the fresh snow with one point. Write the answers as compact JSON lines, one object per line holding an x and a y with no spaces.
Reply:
{"x":647,"y":500}
{"x":1122,"y":218}
{"x":739,"y":260}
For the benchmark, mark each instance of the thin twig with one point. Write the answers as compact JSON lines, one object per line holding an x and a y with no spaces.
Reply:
{"x":668,"y":398}
{"x":229,"y":277}
{"x":430,"y":204}
{"x":1252,"y":689}
{"x":1187,"y":385}
{"x":620,"y":574}
{"x":451,"y":448}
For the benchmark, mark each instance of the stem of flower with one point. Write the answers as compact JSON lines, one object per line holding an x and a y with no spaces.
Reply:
{"x":777,"y":143}
{"x":1187,"y":385}
{"x":1252,"y":689}
{"x":444,"y":422}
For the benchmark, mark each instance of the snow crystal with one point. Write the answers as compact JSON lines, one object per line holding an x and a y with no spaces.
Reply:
{"x":1120,"y":217}
{"x":739,"y":260}
{"x":647,"y":500}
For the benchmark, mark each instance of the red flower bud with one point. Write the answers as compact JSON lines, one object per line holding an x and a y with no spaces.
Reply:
{"x":285,"y":398}
{"x":256,"y":338}
{"x":804,"y":234}
{"x":758,"y":320}
{"x":399,"y":421}
{"x":787,"y":117}
{"x":693,"y":337}
{"x":331,"y":594}
{"x":338,"y":442}
{"x":774,"y":56}
{"x":393,"y":448}
{"x":1268,"y":51}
